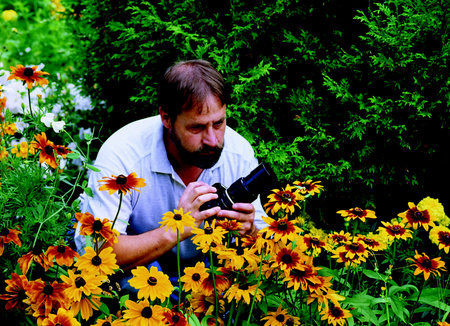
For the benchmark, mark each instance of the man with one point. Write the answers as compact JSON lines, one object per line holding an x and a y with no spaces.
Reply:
{"x":180,"y":153}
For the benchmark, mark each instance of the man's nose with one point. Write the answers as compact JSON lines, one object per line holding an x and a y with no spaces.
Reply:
{"x":209,"y":137}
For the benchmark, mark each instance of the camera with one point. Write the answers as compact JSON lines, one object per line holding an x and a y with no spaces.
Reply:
{"x":243,"y":190}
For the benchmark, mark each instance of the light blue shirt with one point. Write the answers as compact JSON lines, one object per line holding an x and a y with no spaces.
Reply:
{"x":139,"y":147}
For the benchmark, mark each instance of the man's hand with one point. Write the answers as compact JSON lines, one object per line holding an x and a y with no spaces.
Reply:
{"x":196,"y":194}
{"x":244,"y":213}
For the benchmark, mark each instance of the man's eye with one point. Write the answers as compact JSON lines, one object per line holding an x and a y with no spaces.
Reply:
{"x":218,"y":123}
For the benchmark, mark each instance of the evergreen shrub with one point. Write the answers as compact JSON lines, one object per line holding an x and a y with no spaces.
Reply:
{"x":353,"y":93}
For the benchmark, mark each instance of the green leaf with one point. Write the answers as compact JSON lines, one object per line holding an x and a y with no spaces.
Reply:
{"x":93,"y":168}
{"x":377,"y":276}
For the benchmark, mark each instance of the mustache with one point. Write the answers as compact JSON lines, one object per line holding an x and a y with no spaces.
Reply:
{"x":206,"y":149}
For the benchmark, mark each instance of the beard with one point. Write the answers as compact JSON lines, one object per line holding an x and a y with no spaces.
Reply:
{"x":204,"y":158}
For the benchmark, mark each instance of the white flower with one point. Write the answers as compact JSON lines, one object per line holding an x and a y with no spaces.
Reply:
{"x":47,"y":119}
{"x":58,"y":126}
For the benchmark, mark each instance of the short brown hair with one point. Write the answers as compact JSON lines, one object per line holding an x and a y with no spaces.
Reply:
{"x":187,"y":84}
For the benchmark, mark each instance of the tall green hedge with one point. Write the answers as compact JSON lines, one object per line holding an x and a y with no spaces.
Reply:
{"x":353,"y":93}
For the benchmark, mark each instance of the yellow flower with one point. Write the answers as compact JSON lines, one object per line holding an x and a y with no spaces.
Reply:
{"x":280,"y":318}
{"x":23,"y":149}
{"x":286,"y":199}
{"x":440,"y":235}
{"x":84,"y":283}
{"x":427,"y":266}
{"x":242,"y":292}
{"x":151,"y":283}
{"x":9,"y":15}
{"x":208,"y":235}
{"x":142,"y":314}
{"x":336,"y":315}
{"x":436,"y":210}
{"x":62,"y":318}
{"x":122,"y":184}
{"x":177,"y":220}
{"x":28,"y":75}
{"x":194,"y":276}
{"x":357,"y":213}
{"x":416,"y":217}
{"x":103,"y":263}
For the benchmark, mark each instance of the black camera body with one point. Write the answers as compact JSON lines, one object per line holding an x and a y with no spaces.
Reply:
{"x":243,"y":190}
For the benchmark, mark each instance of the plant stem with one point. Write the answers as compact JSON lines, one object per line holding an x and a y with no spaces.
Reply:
{"x":216,"y":301}
{"x":257,"y":286}
{"x":29,"y":103}
{"x":415,"y":303}
{"x":115,"y":218}
{"x":179,"y":270}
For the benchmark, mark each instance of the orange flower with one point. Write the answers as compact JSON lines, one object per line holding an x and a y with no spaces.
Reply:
{"x":62,"y":318}
{"x":336,"y":315}
{"x":46,"y":147}
{"x":47,"y":295}
{"x":91,"y":225}
{"x":122,"y":183}
{"x":286,"y":199}
{"x":426,"y":265}
{"x":29,"y":75}
{"x":35,"y":255}
{"x":309,"y":187}
{"x":62,"y":151}
{"x":16,"y":296}
{"x":357,"y":213}
{"x":7,"y":236}
{"x":62,"y":254}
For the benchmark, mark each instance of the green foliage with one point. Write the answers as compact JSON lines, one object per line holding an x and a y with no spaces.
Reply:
{"x":355,"y":94}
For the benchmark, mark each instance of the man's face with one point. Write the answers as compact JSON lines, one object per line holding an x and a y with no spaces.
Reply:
{"x":199,"y":137}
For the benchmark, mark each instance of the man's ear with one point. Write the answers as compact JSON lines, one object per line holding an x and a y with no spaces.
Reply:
{"x":165,"y":118}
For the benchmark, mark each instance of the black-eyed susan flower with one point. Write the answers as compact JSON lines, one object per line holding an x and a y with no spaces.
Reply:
{"x":443,"y":323}
{"x":357,"y":213}
{"x":7,"y":236}
{"x":229,"y":225}
{"x":85,"y":307}
{"x":440,"y":235}
{"x":243,"y":292}
{"x":194,"y":276}
{"x":103,"y":263}
{"x":209,"y":234}
{"x":287,"y":199}
{"x":101,"y":229}
{"x":301,"y":276}
{"x":16,"y":296}
{"x":309,"y":187}
{"x":236,"y":257}
{"x":314,"y":244}
{"x":323,"y":285}
{"x":374,"y":242}
{"x":174,"y":318}
{"x":337,"y":238}
{"x":28,"y":75}
{"x":426,"y":265}
{"x":394,"y":230}
{"x":151,"y":283}
{"x":122,"y":184}
{"x":336,"y":315}
{"x":416,"y":218}
{"x":287,"y":258}
{"x":436,"y":210}
{"x":177,"y":220}
{"x":354,"y":249}
{"x":109,"y":321}
{"x":221,"y":281}
{"x":63,"y":317}
{"x":82,"y":283}
{"x":62,"y":254}
{"x":46,"y":150}
{"x":282,"y":230}
{"x":36,"y":255}
{"x":280,"y":317}
{"x":324,"y":297}
{"x":142,"y":313}
{"x":47,"y":295}
{"x":62,"y":151}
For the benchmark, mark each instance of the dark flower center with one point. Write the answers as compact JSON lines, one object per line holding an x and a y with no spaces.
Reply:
{"x":79,"y":282}
{"x":96,"y":260}
{"x":280,"y":318}
{"x":106,"y":323}
{"x":336,"y":312}
{"x":358,"y":211}
{"x":208,"y":230}
{"x":21,"y":295}
{"x":286,"y":197}
{"x":287,"y":259}
{"x":48,"y":289}
{"x":243,"y":287}
{"x":282,"y":226}
{"x":61,"y":249}
{"x":418,"y":216}
{"x":4,"y":232}
{"x":147,"y":312}
{"x":239,"y":251}
{"x":152,"y":280}
{"x":353,"y":246}
{"x":444,"y":237}
{"x":298,"y":273}
{"x":97,"y":226}
{"x":177,"y":217}
{"x":121,"y":180}
{"x":196,"y":277}
{"x":315,"y":241}
{"x":28,"y":72}
{"x":395,"y":228}
{"x":48,"y":150}
{"x":427,"y":263}
{"x":175,"y":318}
